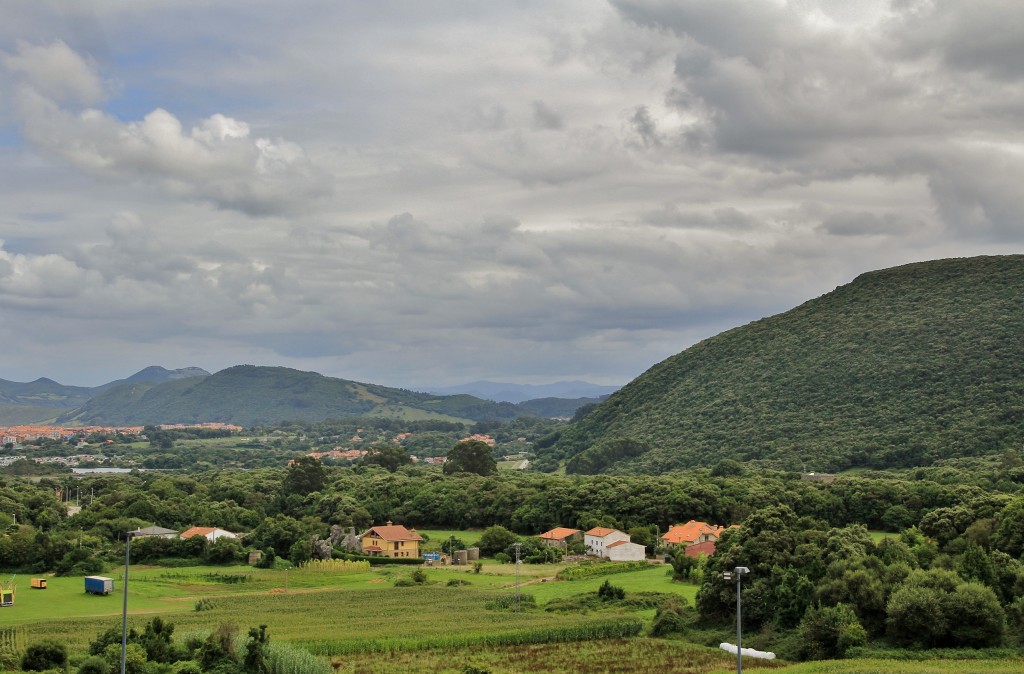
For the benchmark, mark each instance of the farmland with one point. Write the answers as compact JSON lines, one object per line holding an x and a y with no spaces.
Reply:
{"x":328,"y":613}
{"x":361,"y":621}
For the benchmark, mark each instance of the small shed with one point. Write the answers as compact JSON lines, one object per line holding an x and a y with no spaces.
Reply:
{"x":38,"y":583}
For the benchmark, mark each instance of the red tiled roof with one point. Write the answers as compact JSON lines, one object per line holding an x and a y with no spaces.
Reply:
{"x":618,"y":543}
{"x":601,"y":532}
{"x":394,"y":532}
{"x":698,"y":549}
{"x":198,"y":531}
{"x":689,"y":532}
{"x":559,"y":533}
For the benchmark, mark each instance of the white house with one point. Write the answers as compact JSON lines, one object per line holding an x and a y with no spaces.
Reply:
{"x":624,"y":551}
{"x":209,"y":533}
{"x":598,"y":539}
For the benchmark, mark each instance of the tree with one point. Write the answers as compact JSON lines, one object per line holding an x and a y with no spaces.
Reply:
{"x":256,"y":661}
{"x":828,"y":632}
{"x":914,"y":617}
{"x":306,"y":474}
{"x":1009,"y":532}
{"x":471,"y":456}
{"x":976,"y":618}
{"x":392,"y":457}
{"x":496,"y":539}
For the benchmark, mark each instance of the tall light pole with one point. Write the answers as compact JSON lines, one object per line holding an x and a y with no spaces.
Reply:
{"x":517,"y":545}
{"x":737,"y":575}
{"x":124,"y":610}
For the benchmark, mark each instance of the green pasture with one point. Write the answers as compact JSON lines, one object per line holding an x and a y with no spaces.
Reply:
{"x":438,"y":536}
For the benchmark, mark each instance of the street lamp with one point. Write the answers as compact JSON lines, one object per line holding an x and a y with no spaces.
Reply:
{"x":736,"y":574}
{"x":124,"y":610}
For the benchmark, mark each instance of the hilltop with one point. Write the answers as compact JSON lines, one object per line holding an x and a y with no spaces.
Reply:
{"x":248,"y":395}
{"x":901,"y":367}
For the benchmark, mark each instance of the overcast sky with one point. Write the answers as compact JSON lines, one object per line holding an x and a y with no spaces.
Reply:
{"x":427,"y":193}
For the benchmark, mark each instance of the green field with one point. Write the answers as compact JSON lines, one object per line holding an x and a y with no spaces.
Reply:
{"x":361,"y":621}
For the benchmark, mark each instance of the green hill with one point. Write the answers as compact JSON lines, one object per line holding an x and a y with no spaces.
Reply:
{"x":248,"y":395}
{"x":899,"y":368}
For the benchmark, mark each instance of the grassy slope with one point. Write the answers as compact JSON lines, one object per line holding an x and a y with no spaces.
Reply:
{"x":900,"y":367}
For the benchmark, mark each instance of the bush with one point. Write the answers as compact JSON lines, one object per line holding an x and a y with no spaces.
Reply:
{"x":94,"y":664}
{"x":609,"y":592}
{"x":828,"y":632}
{"x":44,"y":655}
{"x":914,"y":616}
{"x":418,"y":576}
{"x":669,"y":618}
{"x":502,"y":558}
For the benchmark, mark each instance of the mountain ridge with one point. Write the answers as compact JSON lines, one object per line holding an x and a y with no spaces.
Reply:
{"x":901,"y":367}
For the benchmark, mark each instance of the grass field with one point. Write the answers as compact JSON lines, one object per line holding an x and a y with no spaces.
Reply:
{"x":363,"y":623}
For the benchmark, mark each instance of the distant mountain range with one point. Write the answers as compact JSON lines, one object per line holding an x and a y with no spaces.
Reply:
{"x":517,"y":393}
{"x":247,"y":395}
{"x":902,"y":367}
{"x":44,"y":399}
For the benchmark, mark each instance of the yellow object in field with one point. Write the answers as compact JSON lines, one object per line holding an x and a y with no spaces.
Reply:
{"x":39,"y":583}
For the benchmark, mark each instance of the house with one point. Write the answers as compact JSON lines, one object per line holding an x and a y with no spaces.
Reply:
{"x":391,"y":540}
{"x":598,"y":539}
{"x":625,"y":551}
{"x":698,"y":549}
{"x":154,"y":532}
{"x":692,"y":532}
{"x":560,"y":537}
{"x":211,"y":534}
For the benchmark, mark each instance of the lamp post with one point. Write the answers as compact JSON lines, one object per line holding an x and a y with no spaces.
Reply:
{"x":737,"y":575}
{"x":517,"y":545}
{"x":124,"y":610}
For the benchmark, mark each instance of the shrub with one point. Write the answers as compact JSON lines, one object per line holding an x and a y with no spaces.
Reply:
{"x":609,"y":592}
{"x":94,"y":664}
{"x":828,"y":632}
{"x":668,"y":618}
{"x":44,"y":655}
{"x":418,"y":576}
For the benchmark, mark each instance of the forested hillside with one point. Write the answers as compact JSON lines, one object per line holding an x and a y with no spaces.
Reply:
{"x":248,"y":395}
{"x":899,"y":368}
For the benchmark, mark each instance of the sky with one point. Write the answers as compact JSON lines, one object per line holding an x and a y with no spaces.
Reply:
{"x":422,"y":194}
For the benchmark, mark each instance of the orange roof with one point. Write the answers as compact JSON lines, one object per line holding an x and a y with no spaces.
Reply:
{"x":559,"y":534}
{"x":198,"y":531}
{"x":394,"y":532}
{"x":618,"y":543}
{"x":689,"y":532}
{"x":601,"y":532}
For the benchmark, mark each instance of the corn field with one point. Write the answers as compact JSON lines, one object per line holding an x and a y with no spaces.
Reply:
{"x":603,"y":629}
{"x":333,"y":566}
{"x":599,"y":569}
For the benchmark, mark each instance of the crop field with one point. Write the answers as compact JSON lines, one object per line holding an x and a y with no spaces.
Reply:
{"x":334,"y":613}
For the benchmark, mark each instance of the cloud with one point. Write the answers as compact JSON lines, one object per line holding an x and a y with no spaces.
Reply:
{"x":541,"y":189}
{"x":56,"y":72}
{"x":217,"y":160}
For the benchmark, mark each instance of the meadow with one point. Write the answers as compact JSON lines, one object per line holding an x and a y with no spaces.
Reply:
{"x":367,"y":620}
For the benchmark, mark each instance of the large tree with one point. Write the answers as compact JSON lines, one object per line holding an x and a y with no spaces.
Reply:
{"x":305,"y":475}
{"x":471,"y":456}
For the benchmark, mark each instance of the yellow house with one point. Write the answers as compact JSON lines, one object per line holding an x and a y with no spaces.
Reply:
{"x":392,"y":540}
